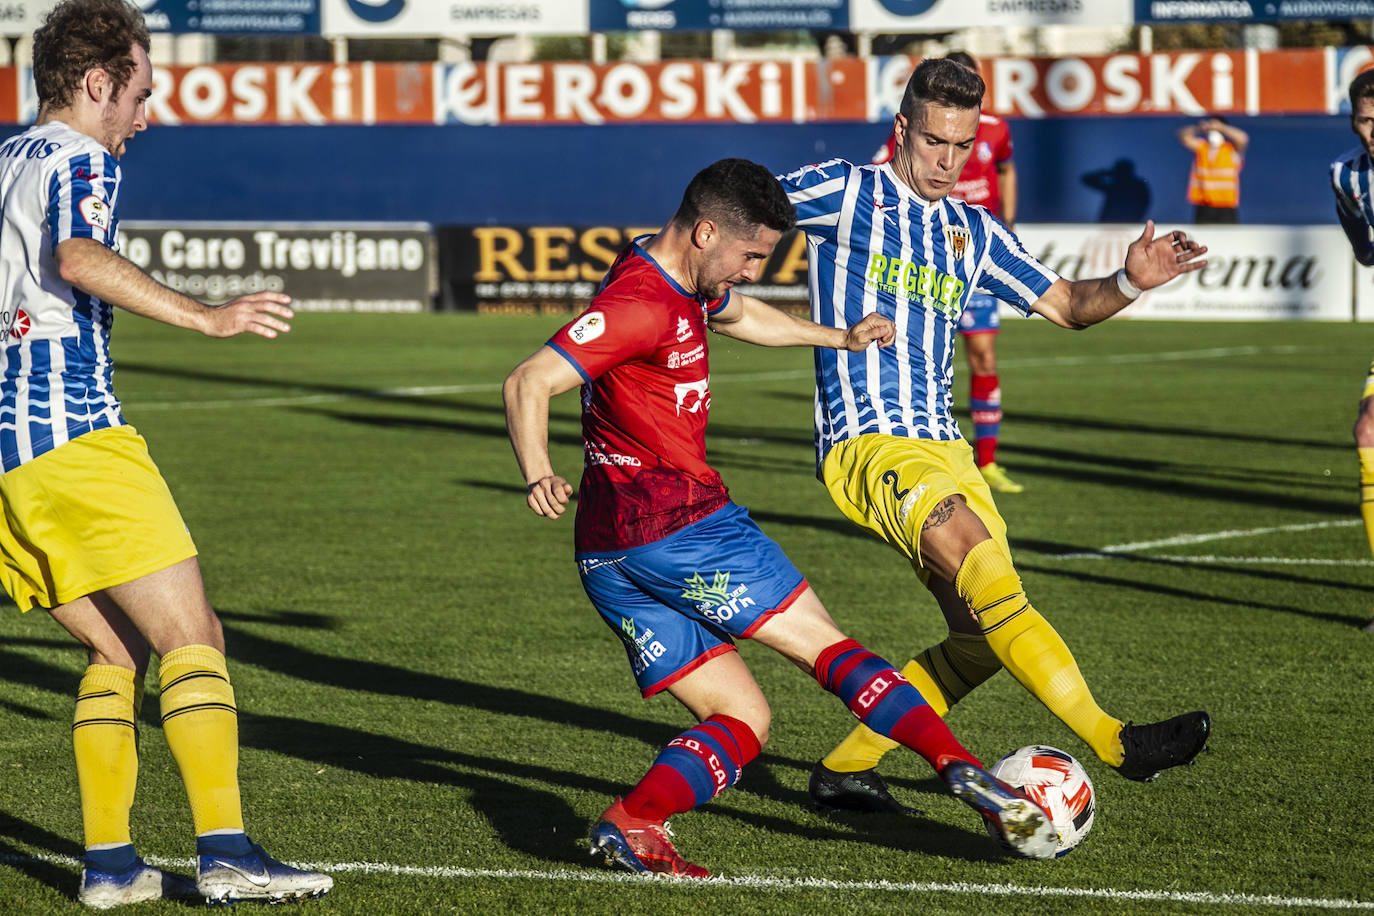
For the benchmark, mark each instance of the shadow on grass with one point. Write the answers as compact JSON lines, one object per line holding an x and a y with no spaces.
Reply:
{"x":1156,"y":588}
{"x":22,"y":843}
{"x":541,"y":824}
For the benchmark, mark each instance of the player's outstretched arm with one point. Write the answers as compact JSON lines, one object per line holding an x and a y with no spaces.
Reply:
{"x":1150,"y":262}
{"x":755,"y":321}
{"x":91,"y":267}
{"x":526,"y":393}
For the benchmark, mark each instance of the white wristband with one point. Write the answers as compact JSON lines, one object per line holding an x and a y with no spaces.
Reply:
{"x":1128,"y":289}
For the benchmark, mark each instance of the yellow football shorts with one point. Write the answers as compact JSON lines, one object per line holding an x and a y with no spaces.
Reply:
{"x":887,"y":485}
{"x":92,"y":513}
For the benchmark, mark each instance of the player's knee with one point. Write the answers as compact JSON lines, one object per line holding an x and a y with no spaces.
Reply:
{"x":1364,"y":427}
{"x":759,"y":718}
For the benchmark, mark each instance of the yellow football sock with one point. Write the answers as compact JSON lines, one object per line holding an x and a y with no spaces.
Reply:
{"x":1367,"y":493}
{"x":1030,"y":648}
{"x":106,"y":753}
{"x":944,"y":674}
{"x":201,"y":725}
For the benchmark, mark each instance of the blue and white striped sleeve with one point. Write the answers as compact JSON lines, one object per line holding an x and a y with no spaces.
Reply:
{"x":1009,"y":272}
{"x":82,"y":193}
{"x":817,"y":191}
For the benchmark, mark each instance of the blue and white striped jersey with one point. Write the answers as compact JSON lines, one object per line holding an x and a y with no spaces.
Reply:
{"x":56,"y":183}
{"x":1350,"y":182}
{"x":876,"y":246}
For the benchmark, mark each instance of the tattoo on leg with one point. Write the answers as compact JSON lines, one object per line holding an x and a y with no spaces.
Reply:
{"x":942,"y":513}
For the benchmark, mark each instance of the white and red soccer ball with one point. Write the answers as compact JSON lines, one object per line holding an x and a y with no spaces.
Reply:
{"x":1055,"y":781}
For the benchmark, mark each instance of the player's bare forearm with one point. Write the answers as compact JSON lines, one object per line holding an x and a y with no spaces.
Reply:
{"x":756,"y":322}
{"x":526,"y":394}
{"x":91,"y":267}
{"x":1150,"y":262}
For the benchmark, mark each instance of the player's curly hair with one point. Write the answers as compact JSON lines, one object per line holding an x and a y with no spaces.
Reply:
{"x":737,"y":195}
{"x":78,"y":36}
{"x":942,"y":81}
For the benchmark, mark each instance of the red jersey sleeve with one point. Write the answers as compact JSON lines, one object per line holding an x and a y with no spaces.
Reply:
{"x":610,"y":332}
{"x":1001,"y":150}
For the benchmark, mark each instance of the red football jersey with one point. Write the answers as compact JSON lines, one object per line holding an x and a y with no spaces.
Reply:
{"x":977,"y":183}
{"x":641,"y":349}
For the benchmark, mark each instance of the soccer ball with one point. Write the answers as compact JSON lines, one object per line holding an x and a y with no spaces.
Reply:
{"x":1058,"y":783}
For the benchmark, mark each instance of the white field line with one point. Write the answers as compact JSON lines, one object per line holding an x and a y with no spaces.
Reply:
{"x":750,"y":882}
{"x":1181,"y":539}
{"x":726,"y":377}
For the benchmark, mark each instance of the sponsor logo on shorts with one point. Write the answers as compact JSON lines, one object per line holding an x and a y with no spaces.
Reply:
{"x":909,"y":502}
{"x":716,"y":600}
{"x":588,"y":328}
{"x":589,"y":564}
{"x":644,"y":649}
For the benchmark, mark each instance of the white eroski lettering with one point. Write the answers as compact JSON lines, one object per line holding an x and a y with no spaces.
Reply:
{"x":1168,"y":89}
{"x":293,"y":95}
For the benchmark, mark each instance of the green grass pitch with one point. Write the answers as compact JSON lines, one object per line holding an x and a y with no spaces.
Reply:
{"x":430,"y":707}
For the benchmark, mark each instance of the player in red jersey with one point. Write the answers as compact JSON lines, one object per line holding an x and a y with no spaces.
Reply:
{"x":989,"y":180}
{"x":675,"y":568}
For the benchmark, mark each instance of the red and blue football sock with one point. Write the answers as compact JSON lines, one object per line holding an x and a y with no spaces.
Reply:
{"x":694,"y":768}
{"x":985,"y":403}
{"x":886,"y":702}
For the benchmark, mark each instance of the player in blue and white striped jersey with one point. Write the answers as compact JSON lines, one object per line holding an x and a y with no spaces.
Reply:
{"x":1352,"y":176}
{"x":90,"y":531}
{"x":888,"y":239}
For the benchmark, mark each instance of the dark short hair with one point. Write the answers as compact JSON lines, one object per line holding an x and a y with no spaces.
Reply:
{"x":78,"y":36}
{"x":963,"y":58}
{"x":737,"y":195}
{"x":1361,"y":87}
{"x":943,"y":82}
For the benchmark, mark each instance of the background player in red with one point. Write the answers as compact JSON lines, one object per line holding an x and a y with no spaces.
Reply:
{"x":675,"y":568}
{"x":988,"y":179}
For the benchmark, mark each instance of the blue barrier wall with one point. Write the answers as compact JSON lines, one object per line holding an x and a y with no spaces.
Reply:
{"x":634,"y":175}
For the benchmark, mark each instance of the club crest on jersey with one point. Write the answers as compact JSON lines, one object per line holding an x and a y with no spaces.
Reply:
{"x":958,"y":239}
{"x":587,"y":328}
{"x":95,"y":212}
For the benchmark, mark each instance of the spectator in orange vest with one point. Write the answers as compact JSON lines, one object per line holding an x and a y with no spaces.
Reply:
{"x":1218,"y":156}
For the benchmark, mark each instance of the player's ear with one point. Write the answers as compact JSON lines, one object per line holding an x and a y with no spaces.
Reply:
{"x":704,"y":233}
{"x":96,"y":84}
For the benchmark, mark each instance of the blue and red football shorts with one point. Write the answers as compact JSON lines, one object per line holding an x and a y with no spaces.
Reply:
{"x":677,"y":602}
{"x":980,"y":315}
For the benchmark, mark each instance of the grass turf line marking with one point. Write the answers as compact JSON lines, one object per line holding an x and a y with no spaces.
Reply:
{"x":780,"y":375}
{"x":594,"y":876}
{"x":1181,"y":539}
